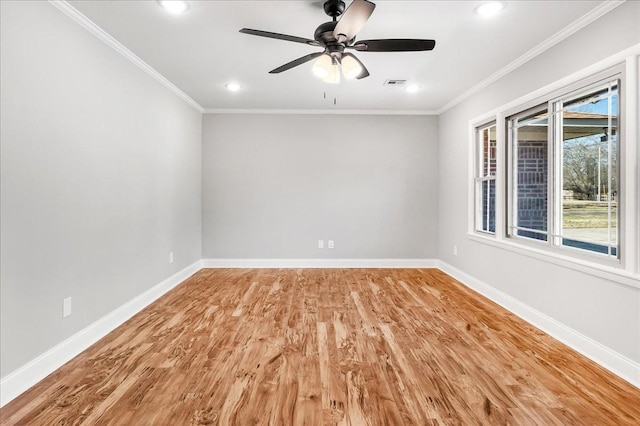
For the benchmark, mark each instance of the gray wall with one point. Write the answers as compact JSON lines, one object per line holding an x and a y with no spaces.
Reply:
{"x":602,"y":310}
{"x":100,"y":180}
{"x":275,"y":184}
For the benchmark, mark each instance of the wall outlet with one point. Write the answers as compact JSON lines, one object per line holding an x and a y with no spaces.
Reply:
{"x":330,"y":244}
{"x":66,"y":307}
{"x":320,"y":244}
{"x":171,"y":257}
{"x":455,"y":250}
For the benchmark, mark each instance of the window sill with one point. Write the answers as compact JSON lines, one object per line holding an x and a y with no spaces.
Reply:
{"x":610,"y":273}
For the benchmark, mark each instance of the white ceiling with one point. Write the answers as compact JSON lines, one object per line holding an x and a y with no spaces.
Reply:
{"x":201,"y":50}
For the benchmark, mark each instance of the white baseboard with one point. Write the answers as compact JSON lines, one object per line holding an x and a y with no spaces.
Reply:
{"x":320,"y":263}
{"x":31,"y":373}
{"x":618,"y":364}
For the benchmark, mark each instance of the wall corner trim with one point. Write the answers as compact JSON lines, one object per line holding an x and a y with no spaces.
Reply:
{"x":102,"y":35}
{"x":618,"y":364}
{"x":20,"y":380}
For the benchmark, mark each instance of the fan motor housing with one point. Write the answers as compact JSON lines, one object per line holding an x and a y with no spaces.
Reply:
{"x":324,"y":36}
{"x":324,"y":33}
{"x":334,"y":8}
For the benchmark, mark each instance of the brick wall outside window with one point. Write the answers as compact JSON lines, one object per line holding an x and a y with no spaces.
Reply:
{"x":489,"y":187}
{"x":532,"y":187}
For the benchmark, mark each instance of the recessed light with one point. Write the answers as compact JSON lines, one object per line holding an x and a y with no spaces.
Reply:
{"x":412,"y":88}
{"x":174,"y":6}
{"x":232,"y":87}
{"x":490,"y":8}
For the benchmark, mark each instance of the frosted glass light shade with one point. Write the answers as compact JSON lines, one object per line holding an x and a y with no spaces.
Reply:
{"x":322,"y":67}
{"x":350,"y":67}
{"x":334,"y":74}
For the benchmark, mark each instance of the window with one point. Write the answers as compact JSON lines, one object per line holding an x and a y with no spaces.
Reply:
{"x":564,"y":170}
{"x":530,"y":165}
{"x":588,"y":170}
{"x":553,"y":175}
{"x":485,"y":179}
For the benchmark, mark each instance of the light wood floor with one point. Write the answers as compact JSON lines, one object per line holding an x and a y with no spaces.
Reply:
{"x":348,"y":347}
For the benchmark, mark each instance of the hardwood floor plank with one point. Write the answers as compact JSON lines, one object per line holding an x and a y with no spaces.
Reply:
{"x":244,"y":303}
{"x":406,"y":374}
{"x":326,"y":347}
{"x":325,"y":365}
{"x":354,"y":410}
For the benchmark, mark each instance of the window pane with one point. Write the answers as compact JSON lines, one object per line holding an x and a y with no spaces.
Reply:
{"x":590,"y":172}
{"x":485,"y":175}
{"x":489,"y":206}
{"x":489,"y":151}
{"x":531,"y":175}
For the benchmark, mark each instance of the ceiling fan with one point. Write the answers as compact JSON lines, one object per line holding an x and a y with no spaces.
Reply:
{"x":336,"y":36}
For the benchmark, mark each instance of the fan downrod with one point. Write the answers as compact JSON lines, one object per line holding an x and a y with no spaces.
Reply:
{"x":334,"y":8}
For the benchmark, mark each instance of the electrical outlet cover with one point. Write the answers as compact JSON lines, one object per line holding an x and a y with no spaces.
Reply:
{"x":66,"y":307}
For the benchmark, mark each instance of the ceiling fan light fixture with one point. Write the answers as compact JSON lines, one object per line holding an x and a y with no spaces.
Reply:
{"x":334,"y":73}
{"x":491,"y":8}
{"x":350,"y":67}
{"x":323,"y":66}
{"x":336,"y":36}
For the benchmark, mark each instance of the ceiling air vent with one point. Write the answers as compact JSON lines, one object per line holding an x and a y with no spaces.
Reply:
{"x":395,"y":83}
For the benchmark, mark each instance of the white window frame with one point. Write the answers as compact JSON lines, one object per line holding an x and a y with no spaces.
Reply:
{"x":554,"y":240}
{"x":626,"y":269}
{"x":481,"y":177}
{"x":509,"y":197}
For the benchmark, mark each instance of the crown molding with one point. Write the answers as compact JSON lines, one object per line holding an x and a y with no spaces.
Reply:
{"x":320,"y":111}
{"x":600,"y":66}
{"x":570,"y":29}
{"x":577,"y":25}
{"x":101,"y":34}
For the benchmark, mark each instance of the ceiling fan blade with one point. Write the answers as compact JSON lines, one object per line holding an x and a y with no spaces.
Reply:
{"x":279,"y":36}
{"x":353,"y":19}
{"x":297,"y":62}
{"x":364,"y":73}
{"x":394,"y":45}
